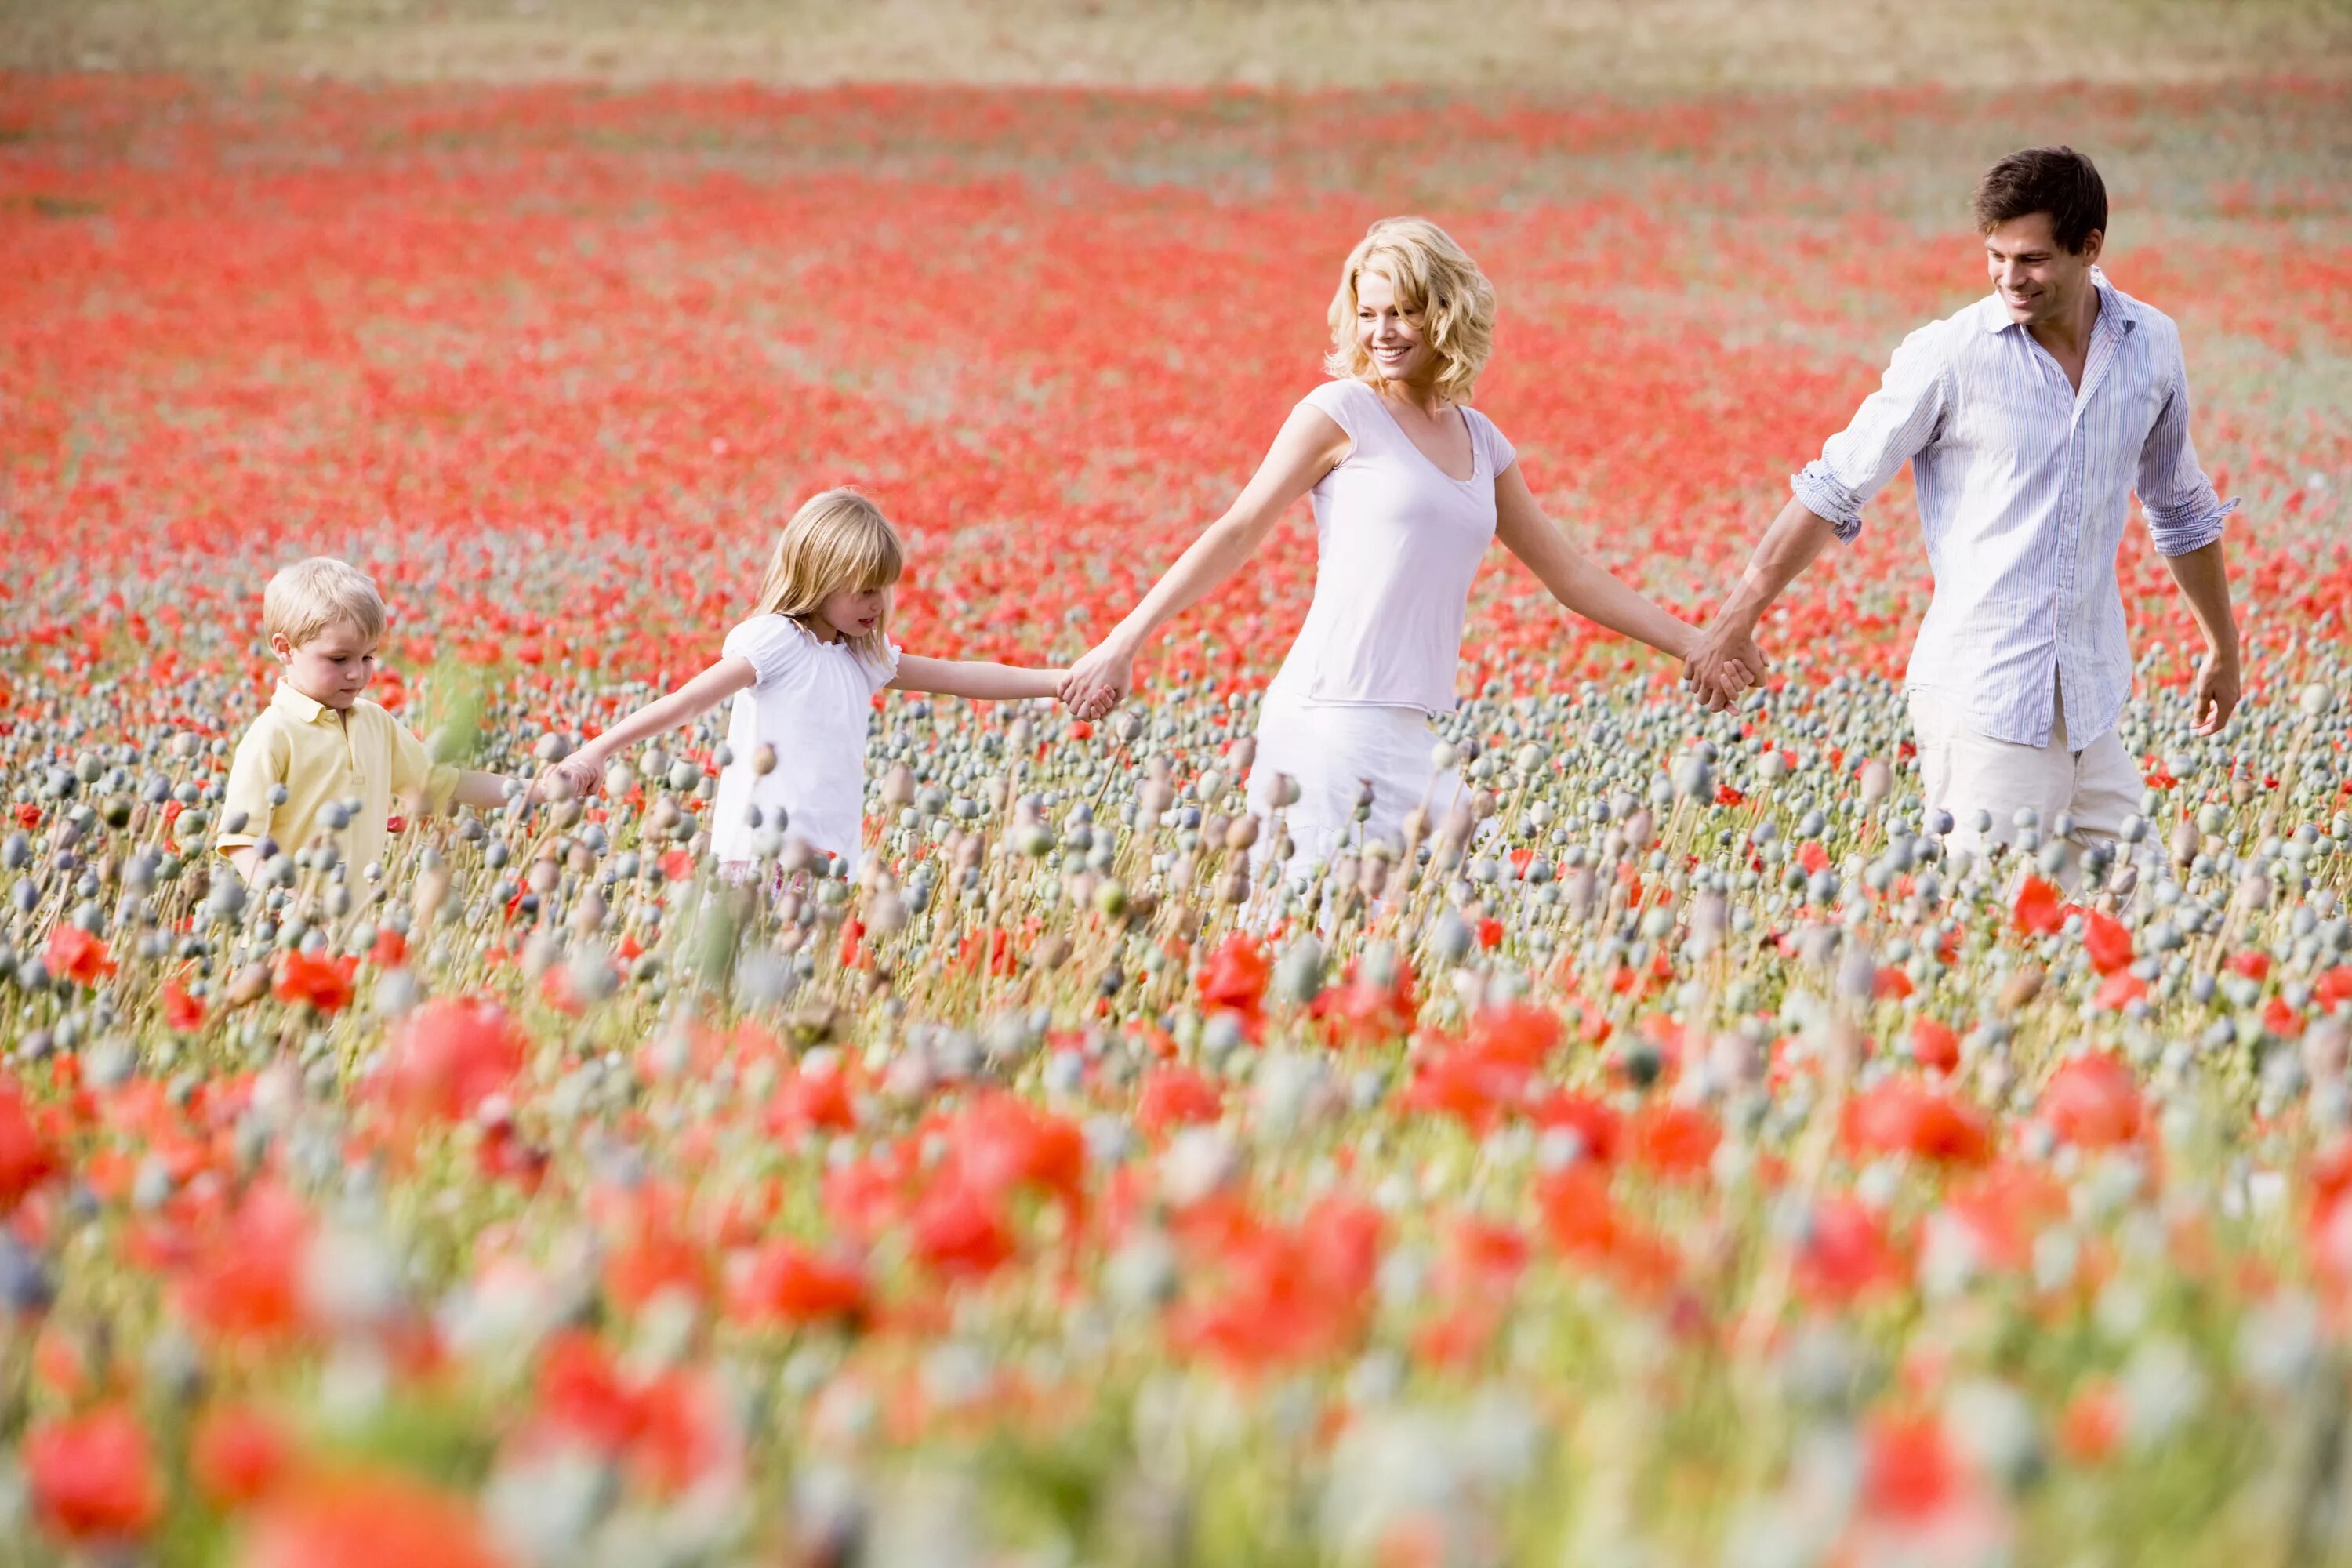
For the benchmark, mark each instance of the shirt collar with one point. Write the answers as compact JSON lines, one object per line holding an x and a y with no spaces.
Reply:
{"x":2116,"y":312}
{"x":305,"y":710}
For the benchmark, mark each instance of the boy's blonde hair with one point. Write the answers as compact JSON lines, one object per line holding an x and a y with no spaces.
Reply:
{"x":306,"y":598}
{"x":1437,"y":284}
{"x":837,"y":543}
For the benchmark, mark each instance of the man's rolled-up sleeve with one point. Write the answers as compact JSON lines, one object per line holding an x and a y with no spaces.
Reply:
{"x":2182,"y":510}
{"x":1892,"y":426}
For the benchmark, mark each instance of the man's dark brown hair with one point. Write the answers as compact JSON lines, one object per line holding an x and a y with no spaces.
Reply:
{"x":2054,"y":180}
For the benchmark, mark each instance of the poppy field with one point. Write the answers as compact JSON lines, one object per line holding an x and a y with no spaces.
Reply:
{"x":1681,"y":1160}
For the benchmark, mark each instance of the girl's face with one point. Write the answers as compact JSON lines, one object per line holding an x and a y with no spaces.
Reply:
{"x":1393,"y":339}
{"x":850,"y":612}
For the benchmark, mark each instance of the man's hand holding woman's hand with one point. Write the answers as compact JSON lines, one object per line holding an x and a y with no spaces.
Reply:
{"x":1723,"y":662}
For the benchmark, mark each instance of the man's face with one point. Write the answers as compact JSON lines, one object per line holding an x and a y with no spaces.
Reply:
{"x":2038,"y":279}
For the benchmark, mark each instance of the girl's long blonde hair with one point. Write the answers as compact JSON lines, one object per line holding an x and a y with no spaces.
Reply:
{"x":838,"y":542}
{"x":1437,"y":284}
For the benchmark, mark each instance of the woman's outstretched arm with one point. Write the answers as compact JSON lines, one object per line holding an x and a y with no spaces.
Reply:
{"x":1585,"y":587}
{"x":1309,"y":442}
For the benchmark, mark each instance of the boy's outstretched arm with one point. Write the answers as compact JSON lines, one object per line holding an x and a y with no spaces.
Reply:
{"x":973,"y":679}
{"x":483,"y":791}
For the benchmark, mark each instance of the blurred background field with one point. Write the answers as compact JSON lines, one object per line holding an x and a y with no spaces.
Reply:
{"x":1614,"y":46}
{"x":547,"y":314}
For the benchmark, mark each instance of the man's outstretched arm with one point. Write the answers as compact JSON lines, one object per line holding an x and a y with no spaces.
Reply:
{"x":2204,"y":578}
{"x":1788,"y":547}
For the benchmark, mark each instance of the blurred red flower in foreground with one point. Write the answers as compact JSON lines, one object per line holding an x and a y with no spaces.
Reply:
{"x":787,"y":1283}
{"x":324,"y":983}
{"x":451,"y":1055}
{"x":2039,"y":909}
{"x":1234,"y":980}
{"x":72,"y":954}
{"x":91,"y":1476}
{"x":1900,"y":1117}
{"x":246,"y":1279}
{"x":26,"y":1158}
{"x":237,"y":1455}
{"x":2093,"y":1101}
{"x":368,"y":1521}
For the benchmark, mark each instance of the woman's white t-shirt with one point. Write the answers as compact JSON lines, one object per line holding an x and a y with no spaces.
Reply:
{"x":810,"y":700}
{"x":1397,"y":540}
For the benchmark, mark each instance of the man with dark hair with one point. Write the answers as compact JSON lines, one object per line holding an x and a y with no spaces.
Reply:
{"x":2029,"y":419}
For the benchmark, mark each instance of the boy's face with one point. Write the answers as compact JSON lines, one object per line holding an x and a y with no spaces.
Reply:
{"x":332,"y":668}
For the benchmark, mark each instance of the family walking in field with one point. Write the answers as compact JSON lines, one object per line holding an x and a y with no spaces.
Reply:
{"x":2030,"y":418}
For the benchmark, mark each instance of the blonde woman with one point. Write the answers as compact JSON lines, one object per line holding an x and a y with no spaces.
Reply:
{"x":802,"y":672}
{"x":1409,"y":484}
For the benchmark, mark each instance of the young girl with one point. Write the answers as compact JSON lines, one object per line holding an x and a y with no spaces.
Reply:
{"x":803,"y":671}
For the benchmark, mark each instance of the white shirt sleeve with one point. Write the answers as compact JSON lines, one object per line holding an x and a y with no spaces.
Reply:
{"x":883,"y":674}
{"x":1500,"y":453}
{"x":774,"y":645}
{"x":1336,"y":398}
{"x":1894,"y":423}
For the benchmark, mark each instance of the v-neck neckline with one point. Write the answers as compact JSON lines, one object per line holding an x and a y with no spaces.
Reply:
{"x":1459,"y":412}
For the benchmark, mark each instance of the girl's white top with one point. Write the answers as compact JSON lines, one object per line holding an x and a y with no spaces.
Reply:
{"x":811,"y":701}
{"x":1397,"y":540}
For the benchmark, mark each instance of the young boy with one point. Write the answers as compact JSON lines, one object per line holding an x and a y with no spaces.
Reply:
{"x":319,"y":739}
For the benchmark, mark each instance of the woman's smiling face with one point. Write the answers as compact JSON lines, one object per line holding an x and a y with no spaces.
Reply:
{"x":1390,"y":338}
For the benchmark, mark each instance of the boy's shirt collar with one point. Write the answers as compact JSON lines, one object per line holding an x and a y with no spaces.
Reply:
{"x":298,"y":706}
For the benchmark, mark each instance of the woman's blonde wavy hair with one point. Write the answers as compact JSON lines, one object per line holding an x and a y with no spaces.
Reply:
{"x":838,"y":542}
{"x":1437,"y":284}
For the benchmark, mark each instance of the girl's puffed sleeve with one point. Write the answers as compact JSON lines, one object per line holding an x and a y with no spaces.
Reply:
{"x":774,"y":644}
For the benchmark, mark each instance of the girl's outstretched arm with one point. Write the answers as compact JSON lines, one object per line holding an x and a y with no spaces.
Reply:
{"x":1590,"y":590}
{"x":583,"y":767}
{"x":972,"y":678}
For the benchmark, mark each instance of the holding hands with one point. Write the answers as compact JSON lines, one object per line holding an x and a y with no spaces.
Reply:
{"x":1723,"y":661}
{"x":1099,"y":681}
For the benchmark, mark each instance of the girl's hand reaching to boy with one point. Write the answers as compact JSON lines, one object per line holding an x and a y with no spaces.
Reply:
{"x":579,"y":774}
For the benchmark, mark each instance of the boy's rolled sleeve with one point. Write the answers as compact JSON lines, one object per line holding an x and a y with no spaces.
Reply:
{"x":258,"y":768}
{"x":1893,"y":425}
{"x":414,"y":774}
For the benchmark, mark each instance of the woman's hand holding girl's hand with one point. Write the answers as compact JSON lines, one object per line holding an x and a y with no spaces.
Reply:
{"x":1099,"y":682}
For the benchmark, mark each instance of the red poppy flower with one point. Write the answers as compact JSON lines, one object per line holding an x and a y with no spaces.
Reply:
{"x":2093,"y":1100}
{"x":1910,"y":1470}
{"x":2039,"y":909}
{"x":786,"y":1283}
{"x":238,"y":1455}
{"x":1935,"y":1045}
{"x":73,"y":955}
{"x":2107,"y":940}
{"x":367,"y":1520}
{"x":93,"y":1477}
{"x":1176,"y":1095}
{"x":1235,"y":978}
{"x":182,"y":1012}
{"x":1897,"y":1116}
{"x":323,"y":984}
{"x":26,"y":1157}
{"x":449,"y":1056}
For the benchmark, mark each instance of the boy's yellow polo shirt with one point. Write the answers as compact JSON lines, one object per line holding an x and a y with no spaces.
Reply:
{"x":321,"y":755}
